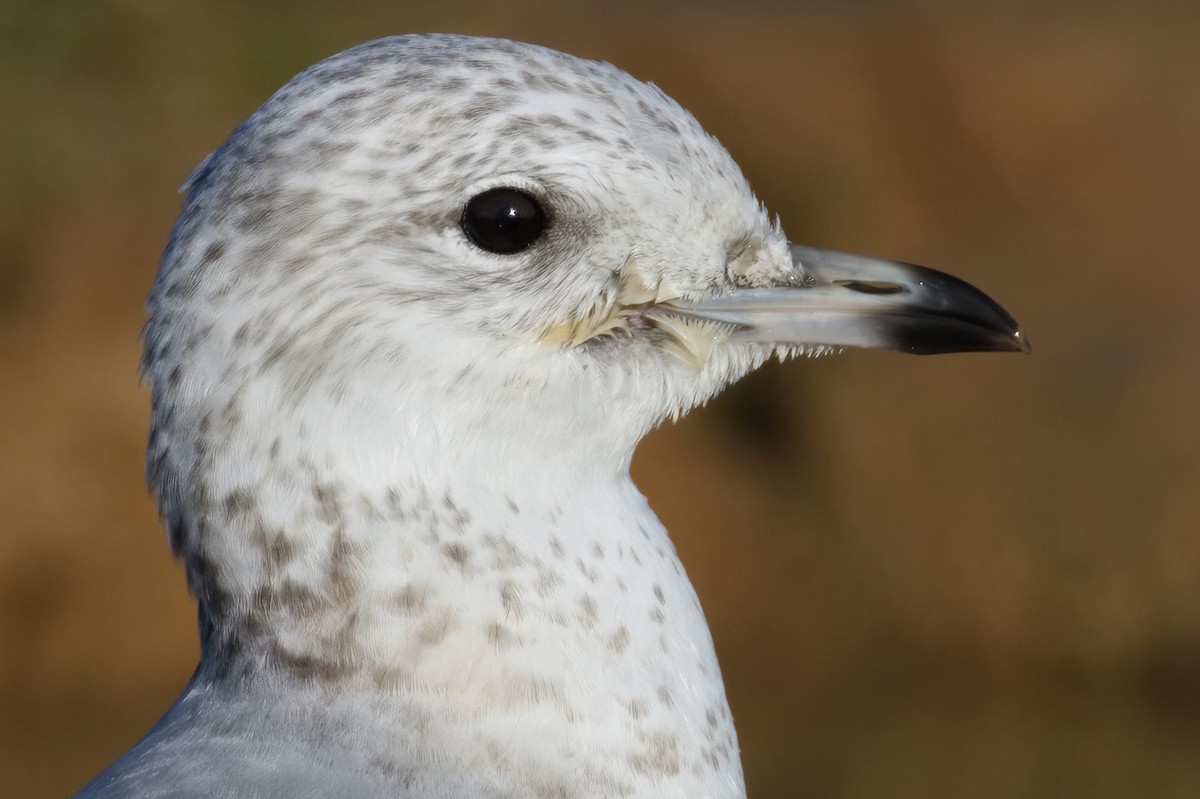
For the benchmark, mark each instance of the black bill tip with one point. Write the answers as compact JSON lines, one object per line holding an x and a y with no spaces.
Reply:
{"x":942,"y":313}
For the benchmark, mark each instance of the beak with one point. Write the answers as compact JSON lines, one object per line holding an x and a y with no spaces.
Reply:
{"x":855,"y":301}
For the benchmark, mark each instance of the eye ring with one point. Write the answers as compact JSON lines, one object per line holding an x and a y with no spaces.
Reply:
{"x":503,"y":220}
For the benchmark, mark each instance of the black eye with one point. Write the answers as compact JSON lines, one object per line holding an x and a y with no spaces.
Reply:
{"x":503,"y":221}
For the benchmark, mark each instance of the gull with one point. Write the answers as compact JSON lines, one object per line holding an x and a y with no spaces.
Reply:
{"x":414,"y":316}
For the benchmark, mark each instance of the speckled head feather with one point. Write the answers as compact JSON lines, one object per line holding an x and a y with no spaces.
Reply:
{"x":319,"y":258}
{"x":395,"y":463}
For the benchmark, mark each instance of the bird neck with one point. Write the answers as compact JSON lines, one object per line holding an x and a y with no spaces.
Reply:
{"x":555,"y":606}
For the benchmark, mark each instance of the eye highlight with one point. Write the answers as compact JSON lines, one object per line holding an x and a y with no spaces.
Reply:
{"x":503,"y":220}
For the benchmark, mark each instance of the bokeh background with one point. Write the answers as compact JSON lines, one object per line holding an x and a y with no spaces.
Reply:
{"x":973,"y":575}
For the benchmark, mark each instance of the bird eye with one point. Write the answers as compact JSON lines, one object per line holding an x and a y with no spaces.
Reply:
{"x":503,"y":221}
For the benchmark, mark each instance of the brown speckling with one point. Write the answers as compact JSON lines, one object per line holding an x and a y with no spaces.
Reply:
{"x":411,"y":600}
{"x":547,"y":582}
{"x":394,"y":503}
{"x":297,"y":599}
{"x":587,"y":611}
{"x":460,"y":516}
{"x":506,"y":554}
{"x":658,"y":594}
{"x":438,"y":624}
{"x":618,"y":642}
{"x":241,"y":334}
{"x":389,"y":680}
{"x":277,"y":549}
{"x":587,"y":571}
{"x":213,"y":252}
{"x":394,"y":770}
{"x":664,"y":696}
{"x":343,"y":574}
{"x":501,"y":637}
{"x":510,"y":598}
{"x":306,"y":666}
{"x":329,"y":506}
{"x":659,"y":756}
{"x":367,"y":508}
{"x":656,"y":615}
{"x":238,"y":502}
{"x":457,"y":552}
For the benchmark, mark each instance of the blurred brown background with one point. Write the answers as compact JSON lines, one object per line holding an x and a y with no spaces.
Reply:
{"x":930,"y":577}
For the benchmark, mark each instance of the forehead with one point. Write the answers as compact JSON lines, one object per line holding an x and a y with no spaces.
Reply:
{"x":467,"y":106}
{"x":469,"y":77}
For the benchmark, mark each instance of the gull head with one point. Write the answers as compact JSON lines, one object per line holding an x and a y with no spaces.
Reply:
{"x":432,"y":250}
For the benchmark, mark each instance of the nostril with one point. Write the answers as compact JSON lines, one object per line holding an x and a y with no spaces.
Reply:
{"x":871,"y":286}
